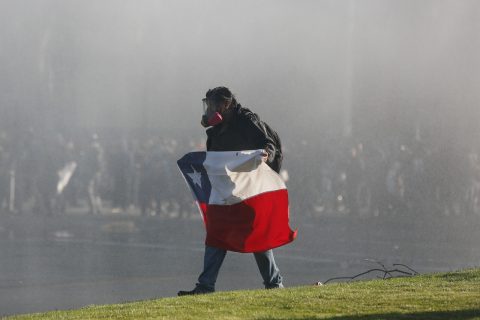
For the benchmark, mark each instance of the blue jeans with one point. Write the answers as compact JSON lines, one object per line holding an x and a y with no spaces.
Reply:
{"x":213,"y":261}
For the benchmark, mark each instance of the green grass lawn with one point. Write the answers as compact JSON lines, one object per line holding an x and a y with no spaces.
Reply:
{"x":438,"y":296}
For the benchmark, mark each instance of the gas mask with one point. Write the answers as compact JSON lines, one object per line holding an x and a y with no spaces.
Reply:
{"x":210,"y":116}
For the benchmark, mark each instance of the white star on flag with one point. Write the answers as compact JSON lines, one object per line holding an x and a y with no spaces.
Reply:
{"x":196,"y":177}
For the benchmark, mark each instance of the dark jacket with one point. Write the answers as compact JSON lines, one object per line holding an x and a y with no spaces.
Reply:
{"x":242,"y":132}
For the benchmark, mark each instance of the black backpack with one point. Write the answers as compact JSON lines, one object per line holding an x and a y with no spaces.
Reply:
{"x":276,"y":164}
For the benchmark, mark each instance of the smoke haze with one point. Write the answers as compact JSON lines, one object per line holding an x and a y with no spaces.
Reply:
{"x":376,"y":102}
{"x":148,"y":63}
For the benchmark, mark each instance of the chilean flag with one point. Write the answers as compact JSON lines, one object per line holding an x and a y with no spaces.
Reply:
{"x":243,"y":202}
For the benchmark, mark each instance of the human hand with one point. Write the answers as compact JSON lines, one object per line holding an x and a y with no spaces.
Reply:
{"x":264,"y":156}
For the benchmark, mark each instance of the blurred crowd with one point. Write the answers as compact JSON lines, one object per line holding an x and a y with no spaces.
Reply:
{"x":50,"y":173}
{"x":389,"y":176}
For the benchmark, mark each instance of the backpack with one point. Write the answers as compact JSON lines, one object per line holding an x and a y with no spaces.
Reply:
{"x":276,"y":163}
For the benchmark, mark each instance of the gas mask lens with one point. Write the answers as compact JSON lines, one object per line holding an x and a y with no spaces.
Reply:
{"x":204,"y":105}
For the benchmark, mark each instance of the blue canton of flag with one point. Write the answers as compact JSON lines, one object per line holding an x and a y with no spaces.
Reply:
{"x":192,"y":168}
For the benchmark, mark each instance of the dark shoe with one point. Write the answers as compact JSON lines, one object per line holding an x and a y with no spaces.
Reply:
{"x":197,"y":290}
{"x":275,"y":286}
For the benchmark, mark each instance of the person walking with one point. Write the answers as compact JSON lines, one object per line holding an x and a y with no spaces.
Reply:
{"x":232,"y":127}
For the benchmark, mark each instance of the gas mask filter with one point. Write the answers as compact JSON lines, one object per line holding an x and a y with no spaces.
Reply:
{"x":210,"y":118}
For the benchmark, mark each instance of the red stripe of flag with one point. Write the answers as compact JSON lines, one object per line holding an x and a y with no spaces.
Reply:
{"x":256,"y":224}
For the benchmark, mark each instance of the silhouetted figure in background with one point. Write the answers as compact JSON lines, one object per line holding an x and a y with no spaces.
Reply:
{"x":93,"y":172}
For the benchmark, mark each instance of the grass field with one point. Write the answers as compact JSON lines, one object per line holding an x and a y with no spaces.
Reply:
{"x":438,"y":296}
